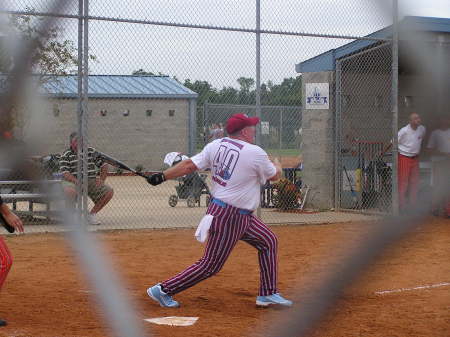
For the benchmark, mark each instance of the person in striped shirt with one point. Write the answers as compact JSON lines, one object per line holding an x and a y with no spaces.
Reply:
{"x":98,"y":191}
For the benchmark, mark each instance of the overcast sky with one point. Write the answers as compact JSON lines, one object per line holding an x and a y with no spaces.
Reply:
{"x":222,"y":57}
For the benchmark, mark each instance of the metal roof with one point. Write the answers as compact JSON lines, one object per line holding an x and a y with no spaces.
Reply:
{"x":327,"y":61}
{"x":118,"y":86}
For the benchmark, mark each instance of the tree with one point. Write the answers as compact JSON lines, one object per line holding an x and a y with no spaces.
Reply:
{"x":206,"y":92}
{"x":52,"y":56}
{"x":229,"y":95}
{"x":143,"y":72}
{"x":246,"y":83}
{"x":288,"y":92}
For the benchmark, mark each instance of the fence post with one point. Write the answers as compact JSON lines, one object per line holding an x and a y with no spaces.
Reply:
{"x":83,"y":136}
{"x":281,"y":131}
{"x":205,"y":123}
{"x":395,"y":205}
{"x":337,"y":126}
{"x":258,"y":78}
{"x":192,"y":121}
{"x":258,"y":69}
{"x":80,"y":107}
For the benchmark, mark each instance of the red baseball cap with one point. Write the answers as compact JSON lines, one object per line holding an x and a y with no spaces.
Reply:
{"x":239,"y":121}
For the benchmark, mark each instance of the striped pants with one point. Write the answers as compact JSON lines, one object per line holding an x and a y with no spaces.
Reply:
{"x":408,"y":180}
{"x":227,"y":228}
{"x":5,"y":261}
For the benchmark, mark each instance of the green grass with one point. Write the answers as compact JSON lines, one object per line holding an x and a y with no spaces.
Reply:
{"x":284,"y":152}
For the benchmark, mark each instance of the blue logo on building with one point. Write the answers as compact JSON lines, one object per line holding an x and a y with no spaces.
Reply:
{"x":317,"y":97}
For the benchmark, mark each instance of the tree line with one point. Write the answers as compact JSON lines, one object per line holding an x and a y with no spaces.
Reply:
{"x":288,"y":92}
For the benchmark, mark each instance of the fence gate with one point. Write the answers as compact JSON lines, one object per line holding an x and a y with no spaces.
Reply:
{"x":364,"y":131}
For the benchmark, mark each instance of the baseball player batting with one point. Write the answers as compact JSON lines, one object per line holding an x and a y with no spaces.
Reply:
{"x":238,"y":169}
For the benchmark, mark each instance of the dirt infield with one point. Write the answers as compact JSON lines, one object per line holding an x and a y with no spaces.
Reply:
{"x":45,"y":296}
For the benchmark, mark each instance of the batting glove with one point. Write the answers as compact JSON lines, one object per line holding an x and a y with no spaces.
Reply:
{"x":156,"y":179}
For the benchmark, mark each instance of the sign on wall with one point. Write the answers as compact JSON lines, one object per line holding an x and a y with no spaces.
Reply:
{"x":265,"y":128}
{"x":317,"y":96}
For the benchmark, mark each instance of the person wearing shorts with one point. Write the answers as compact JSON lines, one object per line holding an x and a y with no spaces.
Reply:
{"x":98,"y":191}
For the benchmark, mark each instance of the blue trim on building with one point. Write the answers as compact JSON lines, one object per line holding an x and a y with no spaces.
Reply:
{"x":116,"y":86}
{"x":327,"y":61}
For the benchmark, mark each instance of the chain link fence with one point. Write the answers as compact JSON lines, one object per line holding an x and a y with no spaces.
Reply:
{"x":141,"y":86}
{"x":146,"y":83}
{"x":364,"y":157}
{"x":280,"y":126}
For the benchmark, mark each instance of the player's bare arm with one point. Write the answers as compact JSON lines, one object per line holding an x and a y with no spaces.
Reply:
{"x":277,"y":175}
{"x":179,"y":170}
{"x":103,"y":174}
{"x":70,"y":177}
{"x":11,"y":218}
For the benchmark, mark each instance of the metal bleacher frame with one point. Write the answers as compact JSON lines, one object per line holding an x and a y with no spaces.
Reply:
{"x":27,"y":191}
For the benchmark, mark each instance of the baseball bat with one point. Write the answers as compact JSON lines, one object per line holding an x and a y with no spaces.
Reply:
{"x":351,"y":187}
{"x":118,"y":163}
{"x":7,"y":226}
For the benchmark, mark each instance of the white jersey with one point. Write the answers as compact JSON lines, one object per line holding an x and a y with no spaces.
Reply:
{"x":238,"y":170}
{"x":439,"y":140}
{"x":410,"y":140}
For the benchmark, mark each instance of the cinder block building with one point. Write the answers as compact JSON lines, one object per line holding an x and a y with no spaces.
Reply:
{"x":136,"y":119}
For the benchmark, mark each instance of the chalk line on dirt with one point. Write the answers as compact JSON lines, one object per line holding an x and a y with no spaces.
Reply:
{"x":437,"y":285}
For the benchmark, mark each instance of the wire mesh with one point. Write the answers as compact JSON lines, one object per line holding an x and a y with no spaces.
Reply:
{"x":152,"y":89}
{"x":143,"y":87}
{"x":364,"y":142}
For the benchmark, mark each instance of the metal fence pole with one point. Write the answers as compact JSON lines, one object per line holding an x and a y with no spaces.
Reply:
{"x":80,"y":105}
{"x":258,"y":69}
{"x":206,"y":122}
{"x":192,"y":127}
{"x":258,"y":78}
{"x":85,"y":114}
{"x":395,"y":205}
{"x":338,"y":152}
{"x":281,"y":131}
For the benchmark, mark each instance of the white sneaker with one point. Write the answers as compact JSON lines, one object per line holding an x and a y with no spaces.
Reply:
{"x":93,"y":219}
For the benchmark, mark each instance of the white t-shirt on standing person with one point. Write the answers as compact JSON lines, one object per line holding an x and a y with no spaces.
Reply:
{"x":238,"y":169}
{"x":440,"y":140}
{"x":410,"y":140}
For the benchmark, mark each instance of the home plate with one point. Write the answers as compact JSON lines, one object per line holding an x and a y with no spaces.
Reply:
{"x":173,"y":320}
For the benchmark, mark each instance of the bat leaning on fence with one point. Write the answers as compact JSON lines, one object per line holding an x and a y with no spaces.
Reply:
{"x":350,"y":182}
{"x":117,"y":163}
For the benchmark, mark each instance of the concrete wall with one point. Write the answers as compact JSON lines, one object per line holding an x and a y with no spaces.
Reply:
{"x":318,"y":146}
{"x":135,"y":139}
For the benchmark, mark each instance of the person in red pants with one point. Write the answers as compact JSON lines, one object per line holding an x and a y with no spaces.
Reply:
{"x":410,"y":140}
{"x":5,"y":254}
{"x":439,"y":145}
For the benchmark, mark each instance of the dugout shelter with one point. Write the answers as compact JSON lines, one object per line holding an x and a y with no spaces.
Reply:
{"x":347,"y":117}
